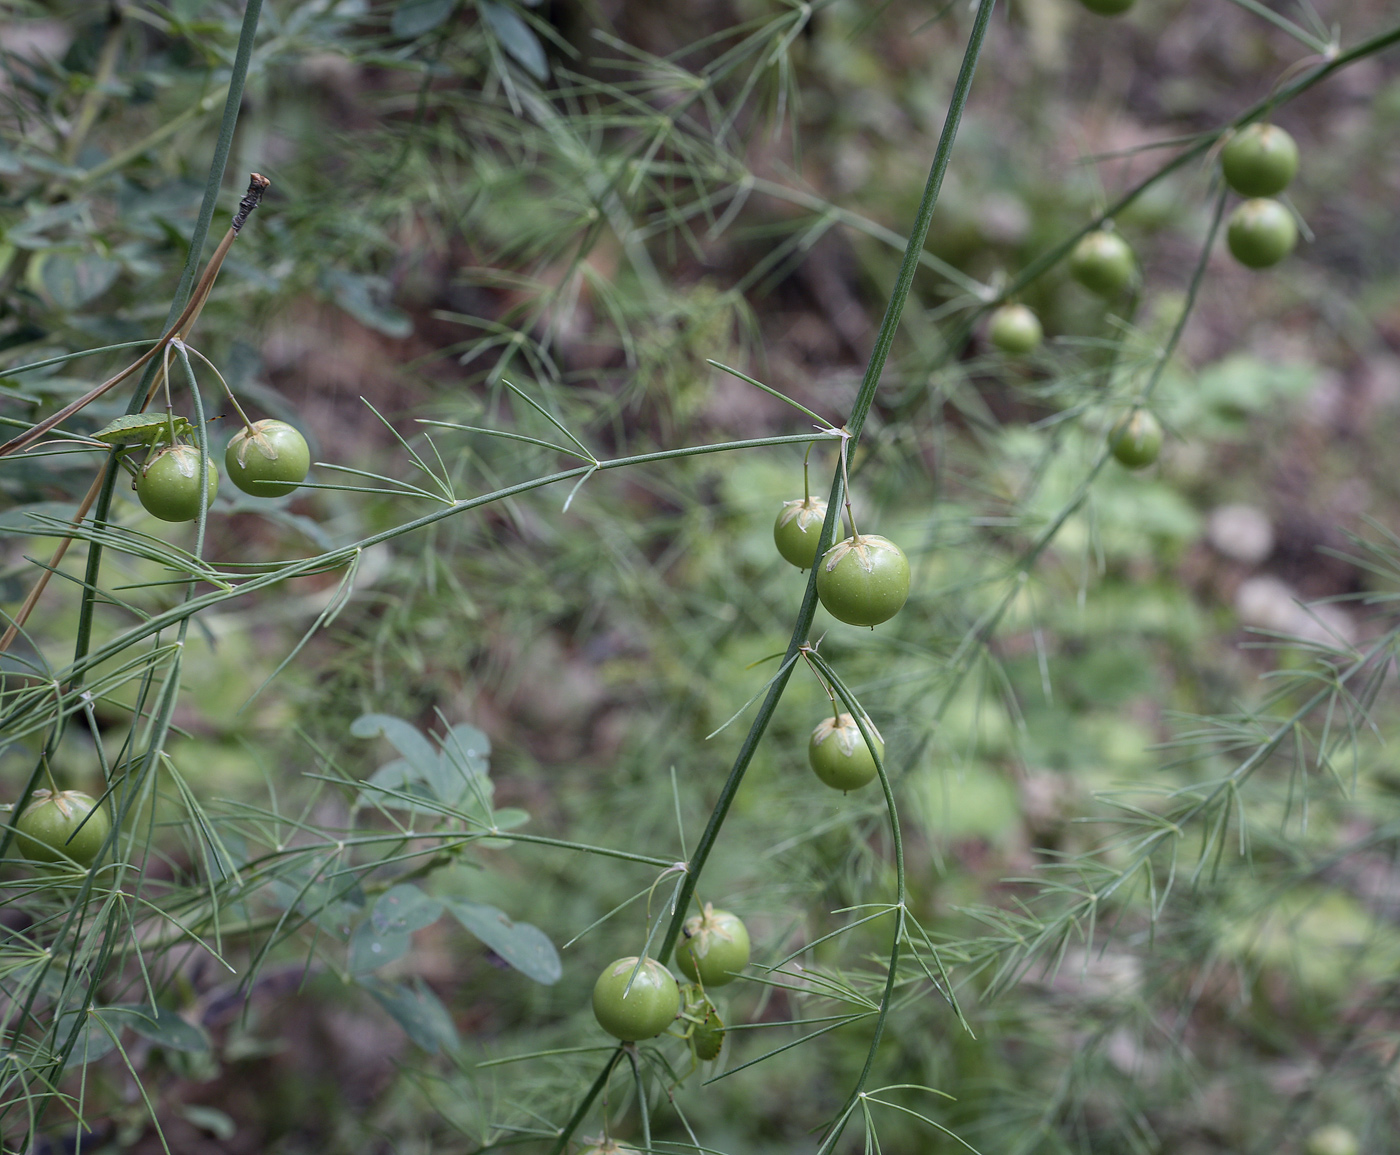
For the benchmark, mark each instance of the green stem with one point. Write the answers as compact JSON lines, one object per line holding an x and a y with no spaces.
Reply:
{"x":897,"y":841}
{"x":586,"y":1102}
{"x":1305,"y":38}
{"x":100,"y":515}
{"x":1052,"y":257}
{"x":865,"y":398}
{"x":342,"y":556}
{"x":238,"y":76}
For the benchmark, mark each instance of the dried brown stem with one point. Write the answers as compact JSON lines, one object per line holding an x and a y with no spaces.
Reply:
{"x":257,"y":185}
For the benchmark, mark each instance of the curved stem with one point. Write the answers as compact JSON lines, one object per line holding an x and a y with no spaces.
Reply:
{"x":237,"y":77}
{"x":884,"y":341}
{"x":897,"y":842}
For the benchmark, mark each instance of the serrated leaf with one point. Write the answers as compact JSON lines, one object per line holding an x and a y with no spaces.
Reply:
{"x":415,"y":17}
{"x":71,"y":280}
{"x":142,"y":429}
{"x":161,"y":1025}
{"x":387,"y":934}
{"x":523,"y":946}
{"x":516,"y":38}
{"x":419,"y":1012}
{"x":367,"y":299}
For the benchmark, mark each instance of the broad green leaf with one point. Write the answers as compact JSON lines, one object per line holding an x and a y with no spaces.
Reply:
{"x":366,"y":299}
{"x":93,"y":1039}
{"x":333,"y":906}
{"x":468,"y":746}
{"x":159,"y":1024}
{"x":387,"y":934}
{"x":401,"y":778}
{"x":516,"y":38}
{"x":71,"y":280}
{"x":407,"y":739}
{"x":461,"y":776}
{"x":525,"y":947}
{"x":415,"y":17}
{"x":419,"y":1012}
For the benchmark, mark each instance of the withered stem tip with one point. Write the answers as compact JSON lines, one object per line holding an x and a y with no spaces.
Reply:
{"x":257,"y":185}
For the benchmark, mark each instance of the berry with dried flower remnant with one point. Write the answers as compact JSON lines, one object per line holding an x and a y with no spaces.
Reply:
{"x":267,"y":458}
{"x":863,"y":580}
{"x":68,"y":826}
{"x":838,"y":753}
{"x":1259,"y":161}
{"x":798,"y":529}
{"x":714,"y":947}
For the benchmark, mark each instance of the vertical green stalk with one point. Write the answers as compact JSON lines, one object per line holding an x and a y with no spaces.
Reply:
{"x":237,"y":78}
{"x":897,"y":846}
{"x":884,"y":341}
{"x":100,"y":514}
{"x":864,"y":399}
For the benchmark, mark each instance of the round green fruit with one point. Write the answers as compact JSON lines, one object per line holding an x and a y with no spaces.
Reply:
{"x":1262,"y":232}
{"x":1259,"y":161}
{"x":1103,"y":263}
{"x":1014,"y":329}
{"x":267,"y":459}
{"x":1136,"y":439}
{"x":63,"y":827}
{"x":1332,"y":1139}
{"x":863,"y":580}
{"x":168,"y":484}
{"x":798,"y":529}
{"x":1107,"y":7}
{"x":714,"y":947}
{"x":839,"y":755}
{"x":647,"y":1009}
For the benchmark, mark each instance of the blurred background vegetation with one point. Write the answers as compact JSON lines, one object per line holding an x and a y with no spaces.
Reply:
{"x":590,"y":202}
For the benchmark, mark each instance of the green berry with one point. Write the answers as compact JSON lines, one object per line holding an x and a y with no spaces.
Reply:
{"x":1259,"y":161}
{"x":1103,"y":263}
{"x":63,"y":827}
{"x":1136,"y":439}
{"x":1014,"y":329}
{"x":1262,"y":232}
{"x":798,"y":529}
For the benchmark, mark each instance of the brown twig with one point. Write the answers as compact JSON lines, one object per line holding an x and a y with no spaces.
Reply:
{"x":257,"y":185}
